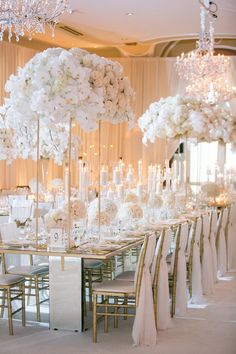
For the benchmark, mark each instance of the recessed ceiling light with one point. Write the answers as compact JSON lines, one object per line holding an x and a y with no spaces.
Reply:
{"x":129,"y":14}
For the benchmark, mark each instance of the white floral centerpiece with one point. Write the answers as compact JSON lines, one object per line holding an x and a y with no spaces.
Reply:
{"x":58,"y":85}
{"x":7,"y":148}
{"x":57,"y":184}
{"x":131,"y":198}
{"x":155,"y":201}
{"x":212,"y":190}
{"x":33,"y":186}
{"x":78,"y":209}
{"x":108,"y":207}
{"x":102,"y":219}
{"x":178,"y":116}
{"x":129,"y":212}
{"x":107,"y":76}
{"x":56,"y":218}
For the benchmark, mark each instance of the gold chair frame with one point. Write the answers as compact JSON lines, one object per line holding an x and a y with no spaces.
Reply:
{"x":121,"y":300}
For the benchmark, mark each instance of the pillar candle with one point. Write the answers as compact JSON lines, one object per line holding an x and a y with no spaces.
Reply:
{"x":140,"y":171}
{"x":130,"y":177}
{"x":116,"y":176}
{"x":104,"y":176}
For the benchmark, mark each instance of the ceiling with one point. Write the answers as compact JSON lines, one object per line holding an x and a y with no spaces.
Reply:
{"x":105,"y":23}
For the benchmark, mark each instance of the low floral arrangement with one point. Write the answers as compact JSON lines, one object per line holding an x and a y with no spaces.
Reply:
{"x":56,"y":218}
{"x":212,"y":190}
{"x":169,"y":200}
{"x":104,"y":219}
{"x":179,"y":116}
{"x":131,"y":198}
{"x":77,"y":209}
{"x":57,"y":183}
{"x":155,"y":201}
{"x":143,"y":197}
{"x":33,"y":186}
{"x":108,"y":207}
{"x":129,"y":211}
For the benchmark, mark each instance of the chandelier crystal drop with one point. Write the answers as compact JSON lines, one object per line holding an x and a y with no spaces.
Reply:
{"x":212,"y":92}
{"x":206,"y":72}
{"x":26,"y":17}
{"x":202,"y":62}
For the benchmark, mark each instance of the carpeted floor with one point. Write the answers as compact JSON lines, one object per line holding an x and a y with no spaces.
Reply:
{"x":205,"y":330}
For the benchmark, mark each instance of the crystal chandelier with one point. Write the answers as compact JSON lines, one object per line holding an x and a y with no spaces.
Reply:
{"x":212,"y":92}
{"x":20,"y":17}
{"x":207,"y":73}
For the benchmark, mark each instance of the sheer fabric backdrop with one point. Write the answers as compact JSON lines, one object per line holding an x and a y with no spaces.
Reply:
{"x":151,"y":79}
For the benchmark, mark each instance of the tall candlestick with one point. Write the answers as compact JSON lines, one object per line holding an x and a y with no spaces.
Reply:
{"x":121,"y":168}
{"x":104,"y":176}
{"x":120,"y":191}
{"x":66,"y":185}
{"x":130,"y":177}
{"x":140,"y":171}
{"x":116,"y":176}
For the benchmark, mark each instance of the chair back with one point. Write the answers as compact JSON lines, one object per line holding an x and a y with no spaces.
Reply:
{"x":224,"y":217}
{"x":205,"y":226}
{"x":181,"y":240}
{"x":145,"y":260}
{"x":9,"y":232}
{"x":18,"y":197}
{"x":21,"y":210}
{"x":194,"y":237}
{"x":214,"y":220}
{"x":161,"y":252}
{"x":222,"y":223}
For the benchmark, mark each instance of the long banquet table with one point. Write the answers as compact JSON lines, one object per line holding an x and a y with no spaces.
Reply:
{"x":66,"y":276}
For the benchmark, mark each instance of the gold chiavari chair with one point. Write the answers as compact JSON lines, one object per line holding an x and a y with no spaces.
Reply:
{"x":212,"y":239}
{"x":221,"y":242}
{"x":93,"y":273}
{"x":161,"y":280}
{"x":12,"y":287}
{"x":194,"y":241}
{"x":36,"y":279}
{"x":117,"y":294}
{"x":231,"y":238}
{"x":180,"y":242}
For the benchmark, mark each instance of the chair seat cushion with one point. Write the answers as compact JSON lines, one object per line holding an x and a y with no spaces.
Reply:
{"x":29,"y":270}
{"x":10,"y":279}
{"x":127,"y":276}
{"x":115,"y":286}
{"x":92,"y":263}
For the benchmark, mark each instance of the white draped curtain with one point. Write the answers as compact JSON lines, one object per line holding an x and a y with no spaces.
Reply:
{"x":151,"y":79}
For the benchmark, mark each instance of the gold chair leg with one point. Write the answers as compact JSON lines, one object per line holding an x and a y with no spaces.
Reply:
{"x":190,"y":281}
{"x":155,"y":304}
{"x":23,"y":304}
{"x":125,"y":308}
{"x":36,"y":281}
{"x":84,"y":299}
{"x":3,"y":302}
{"x":90,"y":290}
{"x":106,"y":316}
{"x":115,"y":312}
{"x":29,"y":292}
{"x":9,"y":311}
{"x":95,"y":318}
{"x":173,"y":302}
